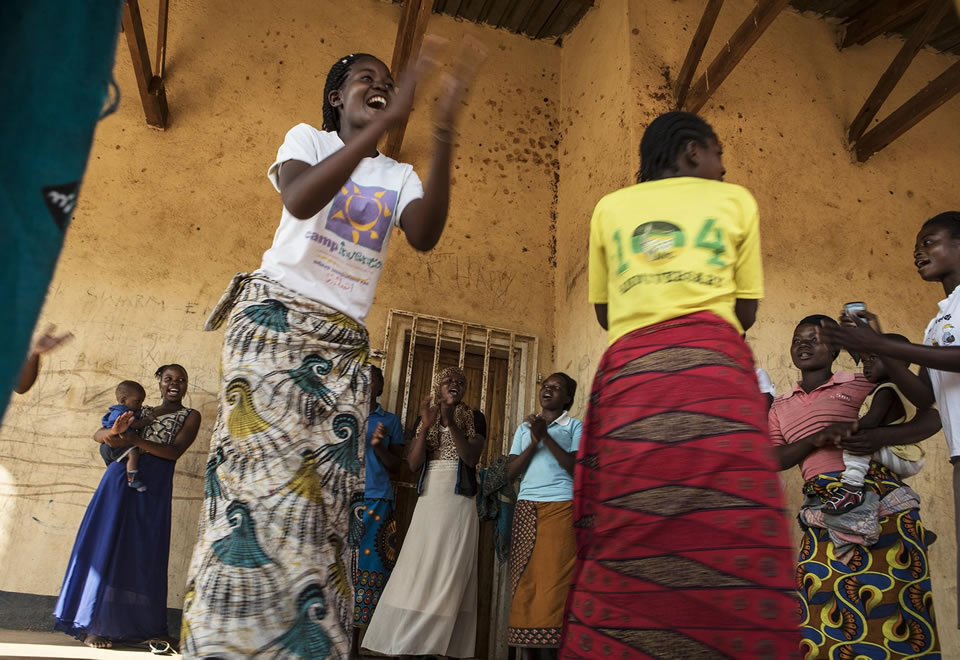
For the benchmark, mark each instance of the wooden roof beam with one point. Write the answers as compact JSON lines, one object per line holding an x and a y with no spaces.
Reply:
{"x":753,"y":26}
{"x":153,"y":96}
{"x":162,"y":15}
{"x":884,"y":16}
{"x":695,"y":52}
{"x":410,"y":32}
{"x":937,"y":92}
{"x":936,"y":10}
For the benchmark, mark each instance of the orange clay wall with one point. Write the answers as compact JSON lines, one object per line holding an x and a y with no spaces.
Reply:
{"x":165,"y":219}
{"x":833,"y":230}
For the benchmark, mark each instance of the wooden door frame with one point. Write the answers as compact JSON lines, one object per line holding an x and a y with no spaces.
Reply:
{"x":521,"y":395}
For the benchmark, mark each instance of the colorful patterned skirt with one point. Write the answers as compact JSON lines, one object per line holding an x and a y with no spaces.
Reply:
{"x":879,"y":604}
{"x":682,"y":542}
{"x":376,"y":557}
{"x":270,"y":573}
{"x":541,"y":564}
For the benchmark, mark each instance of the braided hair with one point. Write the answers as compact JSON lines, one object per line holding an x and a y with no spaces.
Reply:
{"x":949,"y":220}
{"x":164,"y":367}
{"x":665,"y":138}
{"x":335,"y":79}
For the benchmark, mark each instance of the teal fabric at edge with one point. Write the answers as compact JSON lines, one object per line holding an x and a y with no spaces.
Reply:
{"x":56,"y":62}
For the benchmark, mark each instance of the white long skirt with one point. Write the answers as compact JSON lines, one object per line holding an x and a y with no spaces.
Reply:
{"x":429,"y":606}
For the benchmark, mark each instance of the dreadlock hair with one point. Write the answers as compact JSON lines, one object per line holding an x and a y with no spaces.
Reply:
{"x":335,"y":79}
{"x":820,"y":320}
{"x":949,"y":220}
{"x":164,"y":367}
{"x":665,"y":138}
{"x":570,"y":385}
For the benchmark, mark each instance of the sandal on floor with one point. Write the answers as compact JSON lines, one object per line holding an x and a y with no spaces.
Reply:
{"x":160,"y":647}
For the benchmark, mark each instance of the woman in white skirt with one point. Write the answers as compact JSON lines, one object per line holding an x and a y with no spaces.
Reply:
{"x":429,"y":606}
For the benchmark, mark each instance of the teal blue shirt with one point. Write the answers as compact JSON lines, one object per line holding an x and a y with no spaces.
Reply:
{"x":545,"y":480}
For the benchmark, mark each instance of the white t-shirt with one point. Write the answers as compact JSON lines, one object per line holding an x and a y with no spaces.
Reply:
{"x":944,"y":330}
{"x":336,"y":257}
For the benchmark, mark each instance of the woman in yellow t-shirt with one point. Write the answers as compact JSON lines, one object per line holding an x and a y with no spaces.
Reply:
{"x":682,"y":540}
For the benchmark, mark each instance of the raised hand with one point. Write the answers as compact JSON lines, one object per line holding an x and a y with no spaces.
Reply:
{"x":428,"y":412}
{"x":454,"y":86}
{"x":403,"y":93}
{"x":856,"y":337}
{"x":379,"y":434}
{"x":538,"y":428}
{"x":863,"y":318}
{"x":448,"y":416}
{"x":122,"y":423}
{"x":49,"y":340}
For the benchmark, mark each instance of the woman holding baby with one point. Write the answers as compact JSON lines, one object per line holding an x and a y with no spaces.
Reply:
{"x":115,"y":587}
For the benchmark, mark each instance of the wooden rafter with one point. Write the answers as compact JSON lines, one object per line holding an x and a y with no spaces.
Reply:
{"x":162,"y":16}
{"x":753,"y":26}
{"x":151,"y":88}
{"x":884,"y":16}
{"x":699,"y":42}
{"x":410,"y":32}
{"x":937,"y":92}
{"x":936,"y":9}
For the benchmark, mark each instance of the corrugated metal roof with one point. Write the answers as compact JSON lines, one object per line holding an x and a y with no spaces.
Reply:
{"x":550,"y":19}
{"x":537,"y":19}
{"x":946,"y":38}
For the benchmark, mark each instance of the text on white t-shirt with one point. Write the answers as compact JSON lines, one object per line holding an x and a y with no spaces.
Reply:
{"x":337,"y":256}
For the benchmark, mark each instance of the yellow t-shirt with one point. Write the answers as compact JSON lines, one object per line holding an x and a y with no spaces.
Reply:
{"x":672,"y":247}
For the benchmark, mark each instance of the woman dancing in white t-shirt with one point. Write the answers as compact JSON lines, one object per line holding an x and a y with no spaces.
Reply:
{"x":270,"y":570}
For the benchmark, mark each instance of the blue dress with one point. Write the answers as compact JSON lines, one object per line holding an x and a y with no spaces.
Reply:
{"x":116,"y":580}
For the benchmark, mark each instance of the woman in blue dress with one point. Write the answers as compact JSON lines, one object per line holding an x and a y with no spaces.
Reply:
{"x":115,"y":587}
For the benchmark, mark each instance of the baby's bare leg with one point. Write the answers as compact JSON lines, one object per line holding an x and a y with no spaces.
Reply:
{"x":133,"y":460}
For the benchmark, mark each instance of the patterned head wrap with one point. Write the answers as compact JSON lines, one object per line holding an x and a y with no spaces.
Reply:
{"x":463,"y":414}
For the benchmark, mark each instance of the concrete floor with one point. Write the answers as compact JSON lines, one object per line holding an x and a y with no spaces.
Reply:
{"x":22,"y":644}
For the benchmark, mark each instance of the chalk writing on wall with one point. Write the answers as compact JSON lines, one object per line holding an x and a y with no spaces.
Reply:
{"x":467,"y":272}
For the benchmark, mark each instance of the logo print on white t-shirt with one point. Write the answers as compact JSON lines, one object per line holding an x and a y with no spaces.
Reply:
{"x":947,"y":335}
{"x":362,"y":214}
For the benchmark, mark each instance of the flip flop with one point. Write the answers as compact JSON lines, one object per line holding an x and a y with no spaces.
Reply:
{"x":160,"y":647}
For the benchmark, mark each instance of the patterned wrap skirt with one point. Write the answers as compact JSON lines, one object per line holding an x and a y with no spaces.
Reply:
{"x":878,"y":605}
{"x":270,"y":573}
{"x":541,"y":565}
{"x":376,"y":557}
{"x":682,"y":543}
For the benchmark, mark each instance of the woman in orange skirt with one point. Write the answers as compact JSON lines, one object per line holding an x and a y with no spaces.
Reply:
{"x":541,"y":564}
